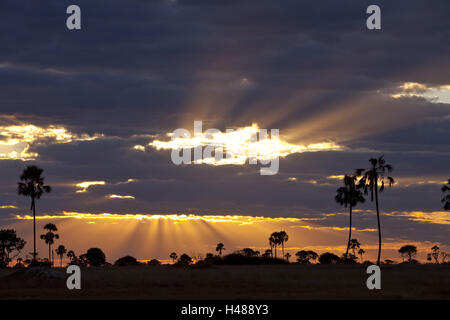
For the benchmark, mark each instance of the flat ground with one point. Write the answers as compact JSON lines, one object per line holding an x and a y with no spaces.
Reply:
{"x":235,"y":282}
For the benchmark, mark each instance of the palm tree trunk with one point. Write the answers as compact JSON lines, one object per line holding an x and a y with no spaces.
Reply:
{"x":349,"y":233}
{"x":282,"y":245}
{"x":49,"y":253}
{"x":378,"y":220}
{"x":33,"y":206}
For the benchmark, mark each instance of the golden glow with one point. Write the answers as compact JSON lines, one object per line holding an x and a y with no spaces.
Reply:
{"x":292,"y":179}
{"x":139,"y":147}
{"x":8,"y":207}
{"x":83,"y":186}
{"x":117,"y":196}
{"x":242,"y":220}
{"x":158,"y":235}
{"x":16,"y":140}
{"x":337,"y":177}
{"x":240,"y":146}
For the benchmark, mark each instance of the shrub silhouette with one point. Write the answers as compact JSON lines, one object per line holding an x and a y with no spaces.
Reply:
{"x":154,"y":262}
{"x":94,"y":257}
{"x":184,"y":260}
{"x":126,"y":261}
{"x":329,"y":258}
{"x":305,"y":256}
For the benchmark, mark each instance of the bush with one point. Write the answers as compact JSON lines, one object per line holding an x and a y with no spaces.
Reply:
{"x":126,"y":261}
{"x":329,"y":258}
{"x":93,"y":257}
{"x":154,"y":262}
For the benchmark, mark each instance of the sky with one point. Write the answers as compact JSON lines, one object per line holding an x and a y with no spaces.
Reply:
{"x":91,"y":106}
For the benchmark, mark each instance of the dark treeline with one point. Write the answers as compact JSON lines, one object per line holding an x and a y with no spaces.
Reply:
{"x":370,"y":181}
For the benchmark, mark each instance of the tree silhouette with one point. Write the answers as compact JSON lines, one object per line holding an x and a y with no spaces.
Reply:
{"x":328,"y":258}
{"x":278,"y":238}
{"x":282,"y":238}
{"x":273,"y":245}
{"x":349,"y":196}
{"x":184,"y":260}
{"x":173,"y":256}
{"x":304,"y":256}
{"x":71,"y":255}
{"x":9,"y":242}
{"x":369,"y":181}
{"x":220,"y":247}
{"x":126,"y":261}
{"x":354,"y":245}
{"x":361,"y":253}
{"x":435,"y":251}
{"x":249,"y":252}
{"x":94,"y":257}
{"x":267,"y":254}
{"x":32,"y":185}
{"x":446,"y":199}
{"x":408,"y":251}
{"x":61,"y":251}
{"x":287,"y":255}
{"x":50,"y":237}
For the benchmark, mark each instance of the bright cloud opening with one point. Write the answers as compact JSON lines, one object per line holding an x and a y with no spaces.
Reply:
{"x":240,"y":145}
{"x":83,"y":186}
{"x":438,"y":94}
{"x":16,"y":140}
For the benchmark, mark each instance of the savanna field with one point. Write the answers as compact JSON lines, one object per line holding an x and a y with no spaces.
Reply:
{"x":266,"y":282}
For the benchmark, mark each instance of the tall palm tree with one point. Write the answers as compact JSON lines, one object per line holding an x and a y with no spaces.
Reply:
{"x":370,"y":180}
{"x":220,"y":247}
{"x":446,"y":198}
{"x":50,"y":237}
{"x":60,"y":251}
{"x":273,"y":242}
{"x":173,"y":256}
{"x":282,"y":238}
{"x":32,"y":185}
{"x":349,"y":196}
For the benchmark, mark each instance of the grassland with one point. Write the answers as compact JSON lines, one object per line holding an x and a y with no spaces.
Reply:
{"x":235,"y":282}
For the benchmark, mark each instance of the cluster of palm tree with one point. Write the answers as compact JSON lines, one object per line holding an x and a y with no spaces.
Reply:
{"x":370,"y":180}
{"x":32,"y":185}
{"x":278,"y":239}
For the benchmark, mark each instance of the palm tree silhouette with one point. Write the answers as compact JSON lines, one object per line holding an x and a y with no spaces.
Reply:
{"x":173,"y":256}
{"x":282,"y":238}
{"x":349,"y":196}
{"x":354,"y":244}
{"x":71,"y":255}
{"x":361,"y":253}
{"x":220,"y":247}
{"x":50,"y":237}
{"x":273,"y":242}
{"x":446,"y":198}
{"x":32,"y":186}
{"x":369,"y":182}
{"x":60,"y":251}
